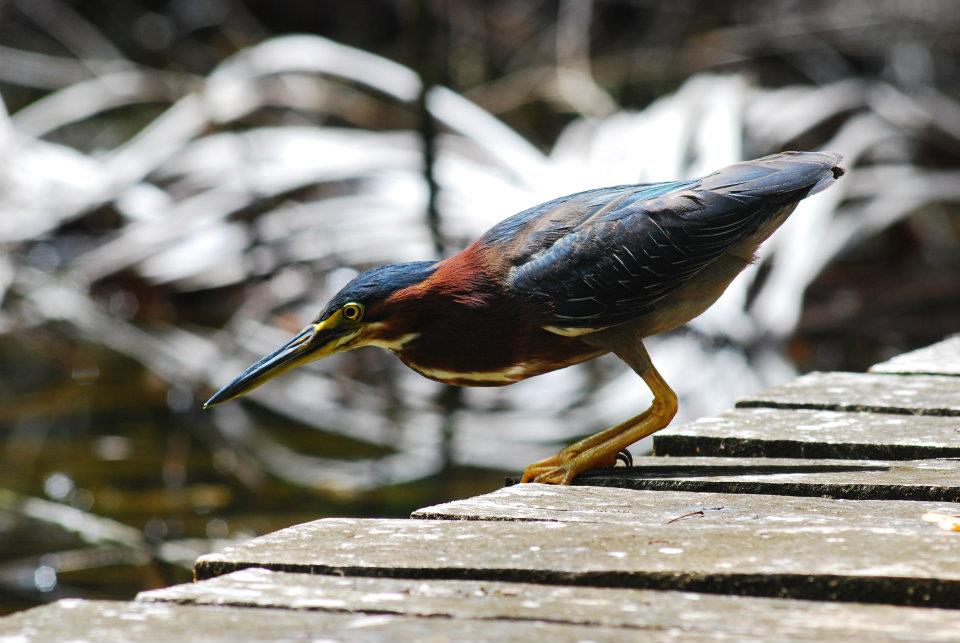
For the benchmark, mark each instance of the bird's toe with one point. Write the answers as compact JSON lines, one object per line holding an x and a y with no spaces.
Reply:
{"x":561,"y":475}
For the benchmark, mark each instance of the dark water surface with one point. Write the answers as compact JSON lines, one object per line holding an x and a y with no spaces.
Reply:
{"x":88,"y":430}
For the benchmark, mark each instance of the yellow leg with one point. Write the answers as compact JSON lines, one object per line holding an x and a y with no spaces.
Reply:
{"x":601,"y":449}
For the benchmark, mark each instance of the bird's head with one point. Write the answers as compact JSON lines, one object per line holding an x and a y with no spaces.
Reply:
{"x":364,"y":312}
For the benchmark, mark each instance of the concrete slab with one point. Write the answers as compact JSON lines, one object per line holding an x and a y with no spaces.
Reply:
{"x":806,"y":433}
{"x":873,"y":392}
{"x":942,"y":358}
{"x":694,"y":614}
{"x":109,"y":622}
{"x":759,"y":545}
{"x":936,"y":480}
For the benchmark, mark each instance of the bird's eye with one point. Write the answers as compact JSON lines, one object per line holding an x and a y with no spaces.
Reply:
{"x":353,"y":312}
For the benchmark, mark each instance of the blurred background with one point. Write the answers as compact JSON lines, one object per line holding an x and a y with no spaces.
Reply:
{"x":184,"y":182}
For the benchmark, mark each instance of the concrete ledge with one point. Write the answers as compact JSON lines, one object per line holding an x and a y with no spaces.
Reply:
{"x":942,"y":358}
{"x":871,"y":392}
{"x":757,"y":545}
{"x":696,"y":616}
{"x":931,"y":480}
{"x":806,"y":433}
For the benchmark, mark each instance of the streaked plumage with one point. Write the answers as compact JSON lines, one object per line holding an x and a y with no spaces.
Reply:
{"x":567,"y":281}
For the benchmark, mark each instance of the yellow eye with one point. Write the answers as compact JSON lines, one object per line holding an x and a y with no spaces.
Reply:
{"x":353,"y":312}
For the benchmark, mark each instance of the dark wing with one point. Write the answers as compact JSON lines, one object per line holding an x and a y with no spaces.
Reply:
{"x":536,"y":228}
{"x":607,"y":257}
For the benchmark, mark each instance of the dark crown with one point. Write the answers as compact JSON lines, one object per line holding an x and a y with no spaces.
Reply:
{"x":379,"y":283}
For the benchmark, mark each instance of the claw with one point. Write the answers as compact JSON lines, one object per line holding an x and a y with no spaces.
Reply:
{"x":562,"y":475}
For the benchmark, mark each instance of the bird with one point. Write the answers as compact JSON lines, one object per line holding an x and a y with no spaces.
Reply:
{"x":561,"y":283}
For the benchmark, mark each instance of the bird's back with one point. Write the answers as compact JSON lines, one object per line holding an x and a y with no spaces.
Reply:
{"x":613,"y":255}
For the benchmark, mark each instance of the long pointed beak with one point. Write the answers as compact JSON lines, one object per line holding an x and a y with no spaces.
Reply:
{"x":312,"y":343}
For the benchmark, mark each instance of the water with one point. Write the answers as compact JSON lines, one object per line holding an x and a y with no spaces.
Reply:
{"x":86,"y":429}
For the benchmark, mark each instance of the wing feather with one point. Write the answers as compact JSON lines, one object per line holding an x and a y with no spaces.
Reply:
{"x":607,"y":257}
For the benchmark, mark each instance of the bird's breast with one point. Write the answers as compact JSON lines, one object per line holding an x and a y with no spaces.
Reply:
{"x":479,"y":360}
{"x":499,"y":377}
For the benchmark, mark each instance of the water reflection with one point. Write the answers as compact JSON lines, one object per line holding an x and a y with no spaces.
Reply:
{"x":107,"y":488}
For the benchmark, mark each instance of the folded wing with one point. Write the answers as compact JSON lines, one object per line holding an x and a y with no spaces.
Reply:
{"x":622,"y":250}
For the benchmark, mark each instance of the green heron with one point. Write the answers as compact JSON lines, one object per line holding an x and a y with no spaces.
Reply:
{"x":564,"y":282}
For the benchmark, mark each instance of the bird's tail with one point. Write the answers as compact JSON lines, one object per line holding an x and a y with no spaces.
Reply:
{"x":785,"y":178}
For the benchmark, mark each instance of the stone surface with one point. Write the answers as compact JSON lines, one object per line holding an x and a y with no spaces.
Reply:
{"x":942,"y":358}
{"x":694,"y":614}
{"x":723,"y":543}
{"x":878,"y":393}
{"x":802,"y":433}
{"x":721,"y":512}
{"x":108,"y":622}
{"x":937,"y":480}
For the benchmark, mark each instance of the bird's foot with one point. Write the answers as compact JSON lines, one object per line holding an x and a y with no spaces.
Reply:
{"x":564,"y":466}
{"x":560,"y":467}
{"x":602,"y":449}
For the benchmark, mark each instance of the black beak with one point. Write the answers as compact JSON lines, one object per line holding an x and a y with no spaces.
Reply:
{"x":311,"y":343}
